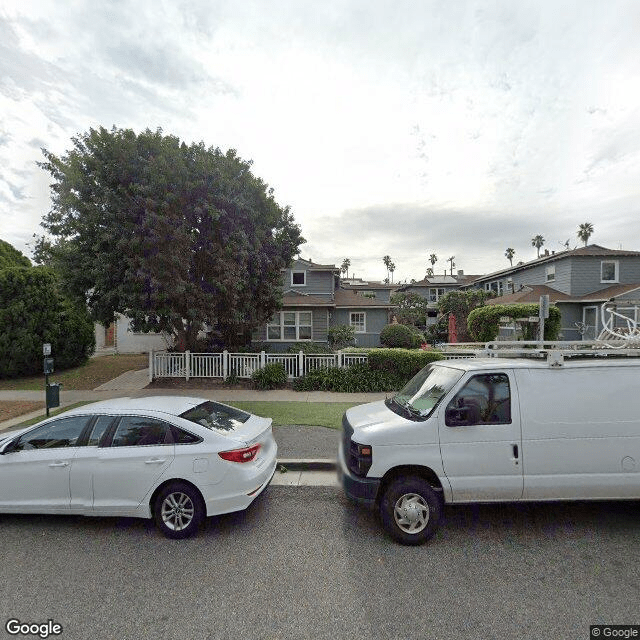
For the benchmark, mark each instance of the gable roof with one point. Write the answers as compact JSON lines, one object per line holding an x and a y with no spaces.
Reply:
{"x":349,"y":298}
{"x":588,"y":251}
{"x":293,"y":298}
{"x":531,"y":294}
{"x":312,"y":266}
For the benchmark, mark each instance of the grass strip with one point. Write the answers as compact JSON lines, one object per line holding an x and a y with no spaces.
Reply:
{"x":317,"y":414}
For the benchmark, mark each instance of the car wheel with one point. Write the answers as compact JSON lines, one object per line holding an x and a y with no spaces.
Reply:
{"x":410,"y":510}
{"x":178,"y":511}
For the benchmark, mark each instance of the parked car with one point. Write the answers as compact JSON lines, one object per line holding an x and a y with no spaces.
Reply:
{"x":494,"y":430}
{"x":174,"y":459}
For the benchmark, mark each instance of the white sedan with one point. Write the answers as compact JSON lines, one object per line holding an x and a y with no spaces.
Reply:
{"x":171,"y":458}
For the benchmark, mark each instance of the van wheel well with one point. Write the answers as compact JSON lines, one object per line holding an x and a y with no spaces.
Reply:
{"x":160,"y":487}
{"x":409,"y":470}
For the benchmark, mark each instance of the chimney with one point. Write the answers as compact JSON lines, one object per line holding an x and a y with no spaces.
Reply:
{"x":460,"y":272}
{"x":546,"y":252}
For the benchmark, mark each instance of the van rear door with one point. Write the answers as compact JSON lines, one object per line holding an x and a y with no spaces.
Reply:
{"x":481,"y":439}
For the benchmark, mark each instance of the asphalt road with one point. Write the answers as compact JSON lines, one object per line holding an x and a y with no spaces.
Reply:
{"x":304,"y":563}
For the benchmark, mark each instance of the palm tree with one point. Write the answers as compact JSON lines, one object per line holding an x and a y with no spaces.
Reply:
{"x":429,"y":272}
{"x":392,"y":268}
{"x":433,"y":258}
{"x":346,"y":263}
{"x":453,"y":264}
{"x":584,"y":232}
{"x":509,"y":253}
{"x":537,"y":242}
{"x":387,"y":261}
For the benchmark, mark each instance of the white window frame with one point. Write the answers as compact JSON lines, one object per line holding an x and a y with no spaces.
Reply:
{"x":304,"y":278}
{"x":280,"y":316}
{"x":439,"y":292}
{"x":550,"y":273}
{"x":616,"y":268}
{"x":358,"y":324}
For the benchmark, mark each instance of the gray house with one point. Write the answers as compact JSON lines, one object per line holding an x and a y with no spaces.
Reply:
{"x":578,"y":281}
{"x":313,"y":301}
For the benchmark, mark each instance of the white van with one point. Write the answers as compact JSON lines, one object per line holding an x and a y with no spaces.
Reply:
{"x":494,"y":430}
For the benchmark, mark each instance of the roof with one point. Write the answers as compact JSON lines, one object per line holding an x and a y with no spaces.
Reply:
{"x":530,"y":294}
{"x":350,"y":298}
{"x":172,"y":405}
{"x":363,"y":284}
{"x":588,"y":251}
{"x":313,"y":266}
{"x":431,"y":281}
{"x":298,"y":299}
{"x":473,"y":364}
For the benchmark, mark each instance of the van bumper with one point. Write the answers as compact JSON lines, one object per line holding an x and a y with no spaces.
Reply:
{"x":361,"y":490}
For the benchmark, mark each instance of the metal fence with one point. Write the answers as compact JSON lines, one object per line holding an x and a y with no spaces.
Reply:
{"x":242,"y":365}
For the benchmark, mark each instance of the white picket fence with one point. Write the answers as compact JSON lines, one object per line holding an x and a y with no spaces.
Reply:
{"x":223,"y":365}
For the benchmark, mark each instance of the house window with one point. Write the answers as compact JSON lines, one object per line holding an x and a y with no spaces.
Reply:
{"x":358,"y":320}
{"x":291,"y":326}
{"x":609,"y":271}
{"x":497,"y":286}
{"x":550,"y":273}
{"x":298,"y":278}
{"x":509,"y":285}
{"x":435,"y":294}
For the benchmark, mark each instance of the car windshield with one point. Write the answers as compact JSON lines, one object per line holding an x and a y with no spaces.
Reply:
{"x":423,"y":392}
{"x":214,"y":415}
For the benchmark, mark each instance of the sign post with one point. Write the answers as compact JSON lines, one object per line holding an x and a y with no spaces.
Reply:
{"x":52,"y":391}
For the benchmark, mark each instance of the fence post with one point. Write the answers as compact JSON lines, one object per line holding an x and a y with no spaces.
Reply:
{"x":150,"y":365}
{"x":263,"y":359}
{"x":187,"y":364}
{"x":225,"y":364}
{"x":340,"y":361}
{"x":300,"y":364}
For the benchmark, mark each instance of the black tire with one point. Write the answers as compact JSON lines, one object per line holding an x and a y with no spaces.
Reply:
{"x":178,"y":511}
{"x":410,"y":510}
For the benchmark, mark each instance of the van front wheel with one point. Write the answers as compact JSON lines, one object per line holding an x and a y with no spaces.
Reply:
{"x":410,"y":510}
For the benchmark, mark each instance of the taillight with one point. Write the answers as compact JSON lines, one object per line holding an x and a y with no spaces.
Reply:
{"x":246,"y":454}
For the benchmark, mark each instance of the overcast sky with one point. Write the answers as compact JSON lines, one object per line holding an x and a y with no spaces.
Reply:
{"x":393,"y":127}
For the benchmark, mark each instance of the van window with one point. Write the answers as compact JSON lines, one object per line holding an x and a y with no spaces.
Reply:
{"x":484,"y":399}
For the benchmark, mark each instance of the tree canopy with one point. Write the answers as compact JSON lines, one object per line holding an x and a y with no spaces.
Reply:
{"x":175,"y":236}
{"x":11,"y":257}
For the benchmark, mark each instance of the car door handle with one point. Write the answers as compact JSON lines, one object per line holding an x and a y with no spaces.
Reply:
{"x":155,"y":461}
{"x":59,"y":464}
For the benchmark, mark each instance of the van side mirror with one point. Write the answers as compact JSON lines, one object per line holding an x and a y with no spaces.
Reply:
{"x":457,"y":417}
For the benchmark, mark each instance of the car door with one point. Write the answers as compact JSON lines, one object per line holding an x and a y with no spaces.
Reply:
{"x":480,"y":438}
{"x":125,"y":465}
{"x":35,"y":468}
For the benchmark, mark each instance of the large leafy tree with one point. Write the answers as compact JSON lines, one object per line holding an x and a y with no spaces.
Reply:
{"x":410,"y":308}
{"x":175,"y":236}
{"x":11,"y":257}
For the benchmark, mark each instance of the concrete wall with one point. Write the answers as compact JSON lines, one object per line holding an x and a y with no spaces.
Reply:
{"x":126,"y":341}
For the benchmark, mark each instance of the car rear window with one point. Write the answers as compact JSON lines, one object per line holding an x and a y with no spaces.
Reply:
{"x":214,"y":415}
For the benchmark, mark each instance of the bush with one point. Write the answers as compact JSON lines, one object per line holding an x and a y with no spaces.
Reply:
{"x":484,"y":323}
{"x":401,"y":336}
{"x":33,"y":312}
{"x":341,"y":336}
{"x":358,"y":378}
{"x":401,"y":362}
{"x":271,"y":376}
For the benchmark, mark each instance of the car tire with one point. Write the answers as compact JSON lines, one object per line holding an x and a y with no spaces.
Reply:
{"x":410,"y":510}
{"x":179,"y":511}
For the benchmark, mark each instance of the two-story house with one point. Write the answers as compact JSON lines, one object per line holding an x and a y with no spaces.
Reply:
{"x":577,"y":281}
{"x":313,"y":301}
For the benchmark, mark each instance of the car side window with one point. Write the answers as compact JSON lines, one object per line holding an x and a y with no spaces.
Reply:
{"x":60,"y":433}
{"x":139,"y":431}
{"x":184,"y":437}
{"x":100,"y":427}
{"x":484,"y":399}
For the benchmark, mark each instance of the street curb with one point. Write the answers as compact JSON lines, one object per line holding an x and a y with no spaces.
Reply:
{"x":312,"y":464}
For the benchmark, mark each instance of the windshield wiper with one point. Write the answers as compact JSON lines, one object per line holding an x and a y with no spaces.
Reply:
{"x":408,"y":407}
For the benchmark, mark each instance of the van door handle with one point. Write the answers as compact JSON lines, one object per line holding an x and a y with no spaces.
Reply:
{"x":155,"y":461}
{"x":59,"y":464}
{"x":515,"y":451}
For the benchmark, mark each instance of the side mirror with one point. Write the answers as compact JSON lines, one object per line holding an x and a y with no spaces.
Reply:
{"x":8,"y":447}
{"x":457,"y":417}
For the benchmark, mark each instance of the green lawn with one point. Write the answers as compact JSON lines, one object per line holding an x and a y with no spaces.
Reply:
{"x":319,"y":414}
{"x":86,"y":377}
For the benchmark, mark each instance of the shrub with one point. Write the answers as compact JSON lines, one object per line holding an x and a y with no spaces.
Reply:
{"x":484,"y":323}
{"x":401,"y":336}
{"x":401,"y":362}
{"x":341,"y":336}
{"x":358,"y":378}
{"x":271,"y":376}
{"x":33,"y":312}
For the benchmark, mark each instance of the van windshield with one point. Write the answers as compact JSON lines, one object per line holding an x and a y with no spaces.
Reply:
{"x":423,"y":392}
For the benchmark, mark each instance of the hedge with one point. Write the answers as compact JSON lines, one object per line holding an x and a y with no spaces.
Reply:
{"x":401,"y":336}
{"x":32,"y":312}
{"x":402,"y":362}
{"x":484,"y":323}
